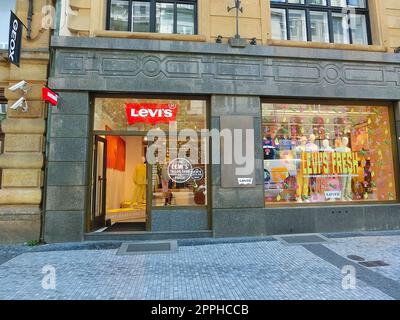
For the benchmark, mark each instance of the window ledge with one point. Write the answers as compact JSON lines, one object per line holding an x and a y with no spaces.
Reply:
{"x":148,"y":35}
{"x":321,"y":45}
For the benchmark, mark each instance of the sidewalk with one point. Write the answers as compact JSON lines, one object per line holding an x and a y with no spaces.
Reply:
{"x":251,"y":268}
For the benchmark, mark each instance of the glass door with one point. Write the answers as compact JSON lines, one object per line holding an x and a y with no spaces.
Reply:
{"x":98,"y":218}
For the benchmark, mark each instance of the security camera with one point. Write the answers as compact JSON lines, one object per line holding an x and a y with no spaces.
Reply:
{"x":21,"y":103}
{"x":23,"y":85}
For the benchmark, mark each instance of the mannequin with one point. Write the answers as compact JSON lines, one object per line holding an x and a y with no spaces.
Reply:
{"x":330,"y":182}
{"x":302,"y":181}
{"x":345,"y":179}
{"x":325,"y":146}
{"x":165,"y":184}
{"x":311,"y":146}
{"x":139,"y":178}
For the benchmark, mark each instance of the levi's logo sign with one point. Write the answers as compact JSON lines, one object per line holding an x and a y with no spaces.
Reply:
{"x":245,"y":181}
{"x":150,"y":112}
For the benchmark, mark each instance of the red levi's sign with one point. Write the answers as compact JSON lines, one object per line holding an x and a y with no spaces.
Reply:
{"x":49,"y":96}
{"x":150,"y":112}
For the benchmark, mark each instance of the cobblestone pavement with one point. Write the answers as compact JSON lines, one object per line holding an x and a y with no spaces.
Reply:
{"x":254,"y":270}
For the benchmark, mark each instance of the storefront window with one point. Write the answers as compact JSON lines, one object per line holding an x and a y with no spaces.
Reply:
{"x":178,"y":173}
{"x":111,"y":113}
{"x":327,"y":153}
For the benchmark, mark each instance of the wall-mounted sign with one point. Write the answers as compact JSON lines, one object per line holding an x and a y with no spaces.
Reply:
{"x":152,"y":113}
{"x":15,"y":39}
{"x":333,"y":195}
{"x":49,"y":96}
{"x":180,"y":170}
{"x":231,"y":177}
{"x":197,"y":173}
{"x":245,"y":181}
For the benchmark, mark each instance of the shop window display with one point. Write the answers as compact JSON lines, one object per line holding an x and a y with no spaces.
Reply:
{"x":127,"y":166}
{"x":316,"y":153}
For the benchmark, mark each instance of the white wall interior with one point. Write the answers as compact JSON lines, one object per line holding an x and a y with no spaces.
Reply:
{"x":120,"y":186}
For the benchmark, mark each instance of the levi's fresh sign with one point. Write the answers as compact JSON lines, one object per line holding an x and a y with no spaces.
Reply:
{"x":49,"y":96}
{"x":150,"y":112}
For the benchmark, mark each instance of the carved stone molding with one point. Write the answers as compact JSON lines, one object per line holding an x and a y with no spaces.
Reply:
{"x":204,"y":73}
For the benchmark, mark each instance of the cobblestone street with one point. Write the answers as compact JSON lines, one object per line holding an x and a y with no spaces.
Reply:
{"x":247,"y":270}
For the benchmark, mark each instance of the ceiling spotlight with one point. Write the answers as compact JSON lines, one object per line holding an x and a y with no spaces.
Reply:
{"x":219,"y":39}
{"x":253,"y":41}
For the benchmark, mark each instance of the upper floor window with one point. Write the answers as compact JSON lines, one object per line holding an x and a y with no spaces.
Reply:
{"x":5,"y":7}
{"x":167,"y":16}
{"x":334,"y":21}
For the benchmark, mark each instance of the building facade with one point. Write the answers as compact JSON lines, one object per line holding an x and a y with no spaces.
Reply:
{"x":22,"y":137}
{"x":315,"y":83}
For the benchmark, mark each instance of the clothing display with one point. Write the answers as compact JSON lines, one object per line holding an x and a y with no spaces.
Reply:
{"x":346,"y":178}
{"x":339,"y":152}
{"x":302,"y":182}
{"x":139,"y":178}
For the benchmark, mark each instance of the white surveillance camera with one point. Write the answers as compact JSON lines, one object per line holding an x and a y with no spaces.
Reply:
{"x":23,"y":85}
{"x":21,"y":103}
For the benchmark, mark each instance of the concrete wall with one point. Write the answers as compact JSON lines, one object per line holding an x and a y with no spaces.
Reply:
{"x":269,"y":221}
{"x":67,"y":171}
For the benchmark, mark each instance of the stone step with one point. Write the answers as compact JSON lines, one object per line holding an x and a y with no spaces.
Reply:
{"x":143,"y":235}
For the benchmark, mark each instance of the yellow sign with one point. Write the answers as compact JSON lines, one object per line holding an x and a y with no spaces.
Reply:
{"x":329,"y":163}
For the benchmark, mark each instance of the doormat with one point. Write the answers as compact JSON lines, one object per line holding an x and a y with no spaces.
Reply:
{"x":126,"y":227}
{"x":147,"y":247}
{"x":302,"y":239}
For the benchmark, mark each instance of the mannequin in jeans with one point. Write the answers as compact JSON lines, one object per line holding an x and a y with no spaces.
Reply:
{"x":345,"y":179}
{"x":140,"y":180}
{"x":302,"y":182}
{"x":165,"y":179}
{"x":311,"y":147}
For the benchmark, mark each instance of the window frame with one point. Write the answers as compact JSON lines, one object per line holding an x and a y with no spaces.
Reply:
{"x":153,"y":13}
{"x":329,"y":9}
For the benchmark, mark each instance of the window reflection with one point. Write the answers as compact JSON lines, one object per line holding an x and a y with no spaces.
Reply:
{"x":119,"y":15}
{"x":165,"y":18}
{"x":141,"y":16}
{"x":185,"y":18}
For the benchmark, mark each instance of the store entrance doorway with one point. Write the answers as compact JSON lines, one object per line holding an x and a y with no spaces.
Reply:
{"x":120,"y":184}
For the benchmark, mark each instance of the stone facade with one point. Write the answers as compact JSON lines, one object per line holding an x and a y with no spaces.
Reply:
{"x":23,"y":159}
{"x":236,"y":81}
{"x":89,"y":59}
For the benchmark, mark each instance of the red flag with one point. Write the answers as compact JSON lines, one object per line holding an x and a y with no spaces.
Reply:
{"x":49,"y":96}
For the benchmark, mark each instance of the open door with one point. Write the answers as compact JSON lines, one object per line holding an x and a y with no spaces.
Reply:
{"x":99,"y":183}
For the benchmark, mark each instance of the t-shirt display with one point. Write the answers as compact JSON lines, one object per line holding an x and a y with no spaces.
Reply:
{"x":320,"y":153}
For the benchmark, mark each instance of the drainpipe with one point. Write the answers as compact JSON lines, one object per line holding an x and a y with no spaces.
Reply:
{"x":30,"y":14}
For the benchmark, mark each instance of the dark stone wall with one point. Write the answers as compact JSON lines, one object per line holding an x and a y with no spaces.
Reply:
{"x":67,"y":166}
{"x":235,"y":79}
